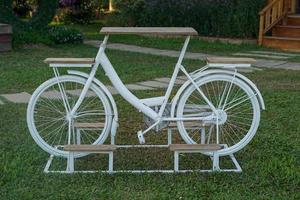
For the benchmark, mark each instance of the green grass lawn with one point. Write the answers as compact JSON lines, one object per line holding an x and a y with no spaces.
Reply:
{"x":270,"y":162}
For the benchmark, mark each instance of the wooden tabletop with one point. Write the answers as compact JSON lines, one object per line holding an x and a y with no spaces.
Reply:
{"x":194,"y":147}
{"x":90,"y":148}
{"x":183,"y":31}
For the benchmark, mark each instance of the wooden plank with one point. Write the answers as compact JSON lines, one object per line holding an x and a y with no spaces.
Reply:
{"x":293,"y":20}
{"x":5,"y":46}
{"x":5,"y":29}
{"x":284,"y":43}
{"x":89,"y":125}
{"x":5,"y":38}
{"x":194,"y":147}
{"x":150,"y":30}
{"x":69,"y":61}
{"x":286,"y":31}
{"x":90,"y":148}
{"x":230,"y":60}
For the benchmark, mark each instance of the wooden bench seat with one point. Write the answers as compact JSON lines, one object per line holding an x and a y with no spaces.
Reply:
{"x":89,"y":61}
{"x":89,"y":125}
{"x":195,"y":147}
{"x":150,"y":31}
{"x":90,"y":148}
{"x":230,"y":60}
{"x":94,"y":148}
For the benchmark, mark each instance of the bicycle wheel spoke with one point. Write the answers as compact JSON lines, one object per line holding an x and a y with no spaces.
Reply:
{"x":237,"y":109}
{"x":50,"y":120}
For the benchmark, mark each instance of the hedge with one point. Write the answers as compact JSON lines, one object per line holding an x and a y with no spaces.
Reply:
{"x":223,"y":18}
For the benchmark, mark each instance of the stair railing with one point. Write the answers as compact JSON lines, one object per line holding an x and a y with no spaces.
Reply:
{"x":272,"y":14}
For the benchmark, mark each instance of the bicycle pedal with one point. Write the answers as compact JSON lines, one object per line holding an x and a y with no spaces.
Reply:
{"x":141,"y":137}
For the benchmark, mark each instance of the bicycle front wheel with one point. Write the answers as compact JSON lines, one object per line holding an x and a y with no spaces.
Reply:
{"x":237,"y":107}
{"x":48,"y":117}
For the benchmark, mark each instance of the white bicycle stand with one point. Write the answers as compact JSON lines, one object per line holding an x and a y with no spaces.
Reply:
{"x":87,"y":149}
{"x":215,"y":157}
{"x":215,"y":162}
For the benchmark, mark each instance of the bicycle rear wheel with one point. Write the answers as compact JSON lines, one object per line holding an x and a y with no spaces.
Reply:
{"x":49,"y":123}
{"x":238,"y":108}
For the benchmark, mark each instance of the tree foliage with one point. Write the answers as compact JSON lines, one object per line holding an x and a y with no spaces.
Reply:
{"x":45,"y":13}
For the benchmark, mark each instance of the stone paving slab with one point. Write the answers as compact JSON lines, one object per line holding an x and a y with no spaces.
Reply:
{"x":290,"y":66}
{"x":260,"y":55}
{"x":167,"y":80}
{"x":52,"y":95}
{"x":164,"y":80}
{"x":269,"y":63}
{"x":276,"y":53}
{"x":138,"y":87}
{"x":22,"y":97}
{"x":112,"y":89}
{"x":154,"y":84}
{"x":182,"y":78}
{"x":78,"y":92}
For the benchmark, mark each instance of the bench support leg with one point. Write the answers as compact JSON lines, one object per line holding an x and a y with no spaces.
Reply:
{"x":216,"y":162}
{"x":110,"y":162}
{"x":78,"y":136}
{"x":203,"y":135}
{"x":169,"y":136}
{"x":176,"y":161}
{"x":70,"y":163}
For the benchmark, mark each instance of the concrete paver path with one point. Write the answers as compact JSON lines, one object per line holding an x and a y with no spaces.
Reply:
{"x":267,"y":63}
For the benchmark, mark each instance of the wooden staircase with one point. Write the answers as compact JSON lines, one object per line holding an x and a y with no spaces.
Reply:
{"x":279,"y":27}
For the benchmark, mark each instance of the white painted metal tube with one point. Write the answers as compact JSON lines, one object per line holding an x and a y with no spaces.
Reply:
{"x":174,"y":76}
{"x":85,"y":90}
{"x":121,"y":88}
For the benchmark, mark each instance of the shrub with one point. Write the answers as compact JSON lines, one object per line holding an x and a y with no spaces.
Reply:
{"x":227,"y":18}
{"x":50,"y":36}
{"x":31,"y":37}
{"x":62,"y":34}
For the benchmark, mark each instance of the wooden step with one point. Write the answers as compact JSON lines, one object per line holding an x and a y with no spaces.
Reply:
{"x":293,"y":20}
{"x":286,"y":31}
{"x":89,"y":125}
{"x":90,"y":148}
{"x":195,"y":147}
{"x":284,"y":43}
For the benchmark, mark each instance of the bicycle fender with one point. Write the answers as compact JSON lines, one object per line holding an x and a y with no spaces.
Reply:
{"x":104,"y":89}
{"x":209,"y":72}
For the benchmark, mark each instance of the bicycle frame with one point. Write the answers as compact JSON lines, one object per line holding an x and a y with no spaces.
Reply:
{"x":102,"y":59}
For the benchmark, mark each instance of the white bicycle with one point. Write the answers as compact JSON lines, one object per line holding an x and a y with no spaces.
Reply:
{"x":216,"y":97}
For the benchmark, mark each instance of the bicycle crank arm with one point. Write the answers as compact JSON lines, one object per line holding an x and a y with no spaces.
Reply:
{"x":141,"y":133}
